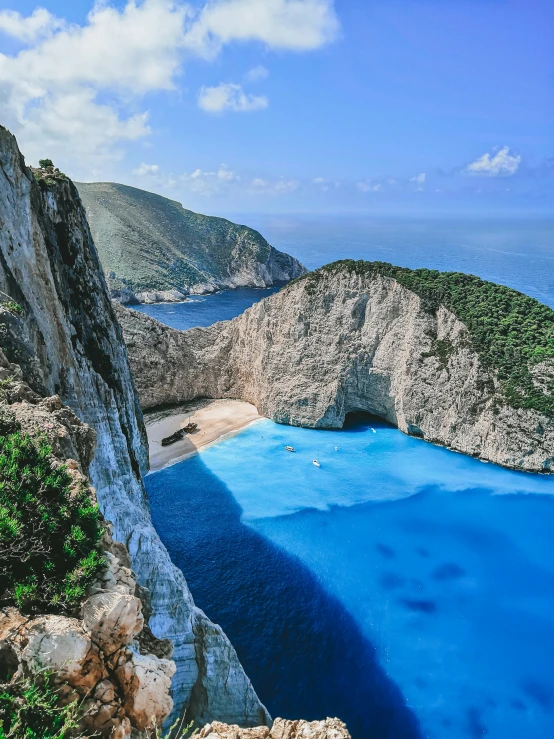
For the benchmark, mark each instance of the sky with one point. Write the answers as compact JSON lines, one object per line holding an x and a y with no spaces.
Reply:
{"x":316,"y":106}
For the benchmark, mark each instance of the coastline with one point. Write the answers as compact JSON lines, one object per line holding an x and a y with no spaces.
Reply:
{"x":215,"y":418}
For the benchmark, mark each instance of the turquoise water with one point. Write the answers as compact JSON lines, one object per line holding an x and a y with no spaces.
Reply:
{"x":403,"y":587}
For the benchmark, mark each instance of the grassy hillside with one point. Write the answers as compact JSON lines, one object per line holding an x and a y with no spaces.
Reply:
{"x":148,"y":242}
{"x":512,"y":332}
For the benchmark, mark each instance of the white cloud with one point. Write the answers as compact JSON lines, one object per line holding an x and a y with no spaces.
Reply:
{"x":146,"y":169}
{"x":501,"y":164}
{"x":419,"y":178}
{"x":228,"y":96}
{"x":210,"y":183}
{"x":294,"y":25}
{"x":368,"y":186}
{"x":257,"y":73}
{"x":324,"y":184}
{"x":30,"y":28}
{"x":280,"y":186}
{"x":123,"y":53}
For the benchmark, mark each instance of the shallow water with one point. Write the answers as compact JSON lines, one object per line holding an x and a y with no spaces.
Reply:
{"x":403,"y":587}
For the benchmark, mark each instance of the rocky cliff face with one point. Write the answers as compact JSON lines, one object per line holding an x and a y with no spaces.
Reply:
{"x":351,"y":339}
{"x":66,"y":340}
{"x":103,"y":654}
{"x":153,"y":249}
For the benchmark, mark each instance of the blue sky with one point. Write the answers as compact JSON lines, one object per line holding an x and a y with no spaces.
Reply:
{"x":377,"y":106}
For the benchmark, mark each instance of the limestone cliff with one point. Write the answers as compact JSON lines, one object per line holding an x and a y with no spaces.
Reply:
{"x":66,"y":340}
{"x":446,"y":357}
{"x":153,"y":249}
{"x":101,"y":653}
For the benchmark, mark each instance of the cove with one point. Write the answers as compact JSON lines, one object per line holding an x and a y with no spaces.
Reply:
{"x":406,"y":589}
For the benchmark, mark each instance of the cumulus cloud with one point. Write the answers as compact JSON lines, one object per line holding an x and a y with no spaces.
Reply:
{"x":130,"y":51}
{"x":30,"y":28}
{"x":228,"y":96}
{"x":369,"y":186}
{"x":257,"y":73}
{"x":279,"y":186}
{"x":500,"y":163}
{"x":294,"y":25}
{"x":146,"y":169}
{"x":209,"y":183}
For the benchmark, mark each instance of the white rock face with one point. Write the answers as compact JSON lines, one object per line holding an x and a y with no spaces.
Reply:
{"x":68,"y":343}
{"x":310,"y":354}
{"x":331,"y":728}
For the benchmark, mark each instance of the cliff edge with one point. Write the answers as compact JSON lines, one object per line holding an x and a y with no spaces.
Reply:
{"x":446,"y":357}
{"x":64,"y":337}
{"x":153,"y":249}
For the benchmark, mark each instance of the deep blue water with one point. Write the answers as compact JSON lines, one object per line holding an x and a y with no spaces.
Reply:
{"x":203,"y":310}
{"x":515,"y":252}
{"x":403,"y":587}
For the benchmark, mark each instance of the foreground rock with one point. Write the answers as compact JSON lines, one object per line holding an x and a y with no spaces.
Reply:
{"x":60,"y":336}
{"x":154,"y":250}
{"x":331,"y":728}
{"x":352,"y":337}
{"x":99,"y":655}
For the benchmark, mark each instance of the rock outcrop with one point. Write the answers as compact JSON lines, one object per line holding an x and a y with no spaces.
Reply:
{"x":98,"y":656}
{"x":61,"y":337}
{"x":354,"y":338}
{"x":331,"y":728}
{"x":154,"y":250}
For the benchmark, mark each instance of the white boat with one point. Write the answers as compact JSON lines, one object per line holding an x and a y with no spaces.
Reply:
{"x":290,"y":449}
{"x":374,"y":431}
{"x":316,"y":462}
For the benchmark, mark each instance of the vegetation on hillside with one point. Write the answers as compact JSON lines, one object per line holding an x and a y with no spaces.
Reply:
{"x":31,"y":709}
{"x":49,"y":529}
{"x":510,"y":331}
{"x":148,"y":242}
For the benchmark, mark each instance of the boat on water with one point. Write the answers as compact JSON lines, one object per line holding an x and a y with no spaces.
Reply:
{"x":316,"y":462}
{"x":290,"y":449}
{"x":172,"y":438}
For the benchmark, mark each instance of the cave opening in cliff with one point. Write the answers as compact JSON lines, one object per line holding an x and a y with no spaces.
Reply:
{"x":359,"y":419}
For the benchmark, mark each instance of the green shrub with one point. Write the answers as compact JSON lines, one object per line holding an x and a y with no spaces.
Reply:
{"x":510,"y":331}
{"x":13,"y":307}
{"x":48,"y":532}
{"x":31,"y":709}
{"x":45,"y":163}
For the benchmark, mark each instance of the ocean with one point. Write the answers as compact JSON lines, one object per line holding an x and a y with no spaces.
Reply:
{"x":405,"y":588}
{"x":514,"y":252}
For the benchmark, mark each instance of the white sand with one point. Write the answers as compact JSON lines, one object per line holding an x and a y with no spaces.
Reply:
{"x":215,"y":418}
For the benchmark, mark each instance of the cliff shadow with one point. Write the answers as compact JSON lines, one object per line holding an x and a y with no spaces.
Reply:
{"x":303,"y":651}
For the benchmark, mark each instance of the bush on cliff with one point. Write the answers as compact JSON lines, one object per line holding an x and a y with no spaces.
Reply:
{"x":31,"y":709}
{"x":511,"y":331}
{"x":49,"y":529}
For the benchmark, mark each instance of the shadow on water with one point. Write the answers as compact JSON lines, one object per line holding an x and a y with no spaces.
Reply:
{"x":303,"y":651}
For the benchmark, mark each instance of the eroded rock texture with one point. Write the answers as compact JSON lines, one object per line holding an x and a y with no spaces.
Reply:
{"x":65,"y":340}
{"x":331,"y":728}
{"x":319,"y":349}
{"x":96,"y":655}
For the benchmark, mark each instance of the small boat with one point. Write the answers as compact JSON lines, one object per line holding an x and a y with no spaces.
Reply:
{"x":290,"y":449}
{"x":190,"y":428}
{"x":172,"y":438}
{"x":336,"y":448}
{"x":316,"y":462}
{"x":374,"y":431}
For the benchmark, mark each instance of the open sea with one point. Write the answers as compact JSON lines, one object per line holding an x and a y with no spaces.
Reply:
{"x":405,"y":588}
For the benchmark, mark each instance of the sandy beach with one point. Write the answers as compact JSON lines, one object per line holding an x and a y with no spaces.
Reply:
{"x":215,"y":418}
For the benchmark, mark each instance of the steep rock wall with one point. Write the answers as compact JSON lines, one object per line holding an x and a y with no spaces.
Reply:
{"x":67,"y":341}
{"x":153,"y":249}
{"x":321,"y":348}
